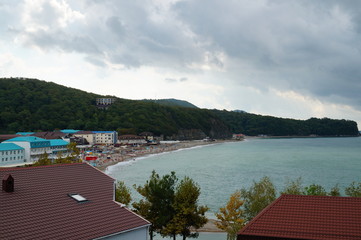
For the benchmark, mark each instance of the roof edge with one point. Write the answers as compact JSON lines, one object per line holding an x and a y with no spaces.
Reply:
{"x":46,"y":166}
{"x":260,"y":214}
{"x":116,"y":233}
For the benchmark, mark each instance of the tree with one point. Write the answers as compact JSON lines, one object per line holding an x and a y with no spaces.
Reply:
{"x":73,"y":152}
{"x":157,"y":205}
{"x":335,"y":191}
{"x":315,"y":190}
{"x":43,"y":160}
{"x":188,"y":215}
{"x":230,"y":216}
{"x":122,"y":193}
{"x":293,"y":187}
{"x":354,"y":190}
{"x":257,"y":197}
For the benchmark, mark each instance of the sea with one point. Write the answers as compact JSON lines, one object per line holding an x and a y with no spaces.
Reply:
{"x":220,"y":169}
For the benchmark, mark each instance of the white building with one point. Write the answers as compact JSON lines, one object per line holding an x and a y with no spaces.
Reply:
{"x":105,"y":137}
{"x":34,"y":147}
{"x":11,"y":155}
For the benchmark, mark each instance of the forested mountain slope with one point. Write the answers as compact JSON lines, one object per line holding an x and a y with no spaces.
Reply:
{"x":34,"y":105}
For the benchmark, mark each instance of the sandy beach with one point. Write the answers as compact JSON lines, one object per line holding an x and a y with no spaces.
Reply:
{"x":129,"y":153}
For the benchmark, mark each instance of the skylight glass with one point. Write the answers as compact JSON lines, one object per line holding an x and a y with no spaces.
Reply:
{"x":78,"y":197}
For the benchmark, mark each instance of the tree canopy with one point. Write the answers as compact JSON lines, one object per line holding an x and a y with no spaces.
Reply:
{"x":171,"y":208}
{"x":34,"y":105}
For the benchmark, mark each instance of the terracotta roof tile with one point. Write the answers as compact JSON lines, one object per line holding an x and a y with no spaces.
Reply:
{"x":40,"y":208}
{"x":307,"y":217}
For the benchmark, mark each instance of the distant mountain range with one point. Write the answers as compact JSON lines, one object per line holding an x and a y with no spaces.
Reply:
{"x":35,"y":105}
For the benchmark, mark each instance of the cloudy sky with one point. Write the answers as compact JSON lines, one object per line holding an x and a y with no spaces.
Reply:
{"x":287,"y":58}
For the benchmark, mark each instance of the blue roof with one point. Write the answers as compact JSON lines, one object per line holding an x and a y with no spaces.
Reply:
{"x":26,"y":139}
{"x":69,"y":131}
{"x":24,"y":133}
{"x":35,"y":142}
{"x":58,"y":142}
{"x":103,"y":131}
{"x":9,"y":146}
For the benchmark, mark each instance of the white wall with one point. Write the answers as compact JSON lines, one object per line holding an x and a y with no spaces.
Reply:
{"x":138,"y":234}
{"x":10,"y":157}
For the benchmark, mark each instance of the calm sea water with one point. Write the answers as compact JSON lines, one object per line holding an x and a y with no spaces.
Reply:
{"x":221,"y":169}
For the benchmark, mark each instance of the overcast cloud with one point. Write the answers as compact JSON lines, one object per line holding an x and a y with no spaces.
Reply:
{"x":286,"y":58}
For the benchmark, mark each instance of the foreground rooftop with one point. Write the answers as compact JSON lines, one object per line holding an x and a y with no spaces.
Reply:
{"x":70,"y":201}
{"x":307,"y":217}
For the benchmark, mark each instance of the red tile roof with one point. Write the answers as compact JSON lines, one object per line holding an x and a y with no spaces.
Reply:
{"x":40,"y":208}
{"x":307,"y":217}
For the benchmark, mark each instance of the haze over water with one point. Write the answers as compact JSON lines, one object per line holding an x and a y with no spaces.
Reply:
{"x":221,"y":169}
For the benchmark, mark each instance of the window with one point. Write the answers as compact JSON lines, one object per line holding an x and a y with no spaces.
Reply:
{"x":77,"y":197}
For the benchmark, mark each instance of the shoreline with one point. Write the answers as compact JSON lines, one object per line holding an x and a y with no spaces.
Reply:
{"x":137,"y":152}
{"x":210,"y":226}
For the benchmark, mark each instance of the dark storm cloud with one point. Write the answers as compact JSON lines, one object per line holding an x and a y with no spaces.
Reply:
{"x":310,"y":47}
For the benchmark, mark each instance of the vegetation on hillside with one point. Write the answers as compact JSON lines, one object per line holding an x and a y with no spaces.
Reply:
{"x":34,"y":105}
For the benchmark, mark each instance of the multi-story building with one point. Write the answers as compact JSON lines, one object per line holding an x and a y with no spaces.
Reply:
{"x":105,"y":101}
{"x":34,"y":147}
{"x":11,"y":154}
{"x":87,"y":135}
{"x":59,"y":148}
{"x":105,"y":137}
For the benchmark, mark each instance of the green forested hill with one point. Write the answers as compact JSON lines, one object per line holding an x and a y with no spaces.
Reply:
{"x":172,"y":102}
{"x":34,"y":105}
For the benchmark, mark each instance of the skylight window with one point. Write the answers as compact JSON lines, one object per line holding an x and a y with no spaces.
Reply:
{"x":77,"y":197}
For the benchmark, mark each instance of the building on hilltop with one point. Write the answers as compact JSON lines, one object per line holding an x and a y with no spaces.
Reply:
{"x":104,"y":102}
{"x":306,"y":217}
{"x":11,"y":155}
{"x":69,"y":201}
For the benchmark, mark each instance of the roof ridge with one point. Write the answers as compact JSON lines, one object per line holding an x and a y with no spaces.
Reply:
{"x":37,"y":167}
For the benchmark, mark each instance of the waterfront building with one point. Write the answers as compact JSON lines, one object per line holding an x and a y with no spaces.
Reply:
{"x":59,"y":148}
{"x":306,"y":217}
{"x":65,"y":201}
{"x":34,"y":147}
{"x":11,"y":154}
{"x":105,"y":137}
{"x":89,"y":136}
{"x":131,"y":139}
{"x":69,"y":131}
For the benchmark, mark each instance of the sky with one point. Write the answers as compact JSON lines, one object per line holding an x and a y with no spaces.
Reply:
{"x":286,"y":58}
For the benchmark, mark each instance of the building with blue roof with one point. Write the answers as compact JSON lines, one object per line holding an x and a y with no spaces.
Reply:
{"x":11,"y":155}
{"x":69,"y":131}
{"x":58,"y":147}
{"x":34,"y":147}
